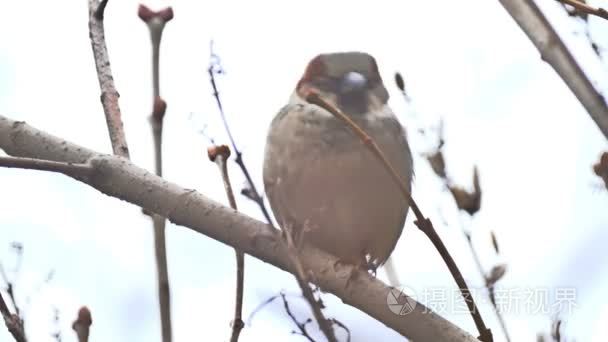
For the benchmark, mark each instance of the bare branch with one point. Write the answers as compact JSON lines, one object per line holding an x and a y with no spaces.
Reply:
{"x":252,"y":192}
{"x":155,"y":21}
{"x":553,"y":51}
{"x":301,"y":325}
{"x":488,"y":284}
{"x":164,"y":289}
{"x":260,"y":307}
{"x":13,"y":322}
{"x":220,"y":155}
{"x":338,"y":323}
{"x":583,"y":7}
{"x":469,"y":202}
{"x":68,"y":169}
{"x":109,"y":95}
{"x":120,"y":178}
{"x":10,"y":284}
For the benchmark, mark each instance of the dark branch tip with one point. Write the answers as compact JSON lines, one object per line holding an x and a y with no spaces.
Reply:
{"x":218,"y":150}
{"x":84,"y":318}
{"x":399,"y":81}
{"x":99,"y":12}
{"x":146,"y":14}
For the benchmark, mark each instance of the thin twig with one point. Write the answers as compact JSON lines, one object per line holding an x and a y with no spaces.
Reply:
{"x":324,"y":324}
{"x":12,"y":321}
{"x":155,"y":21}
{"x":254,"y":194}
{"x":582,"y":15}
{"x":341,"y":325}
{"x":10,"y":284}
{"x":583,"y":7}
{"x":424,"y":224}
{"x":10,"y":289}
{"x":220,"y":155}
{"x":69,"y":169}
{"x":260,"y":307}
{"x":301,"y":325}
{"x":490,"y":288}
{"x":469,"y":202}
{"x":164,"y":293}
{"x":109,"y":95}
{"x":299,"y":273}
{"x":553,"y":51}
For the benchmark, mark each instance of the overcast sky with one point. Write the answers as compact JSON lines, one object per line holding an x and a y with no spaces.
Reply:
{"x":466,"y":62}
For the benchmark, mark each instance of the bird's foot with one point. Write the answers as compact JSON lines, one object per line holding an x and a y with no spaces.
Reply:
{"x":354,"y":271}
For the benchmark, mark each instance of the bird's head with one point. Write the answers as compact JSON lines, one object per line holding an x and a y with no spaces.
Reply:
{"x":348,"y":79}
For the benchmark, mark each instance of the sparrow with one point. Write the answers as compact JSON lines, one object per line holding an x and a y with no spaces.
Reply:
{"x":321,"y":181}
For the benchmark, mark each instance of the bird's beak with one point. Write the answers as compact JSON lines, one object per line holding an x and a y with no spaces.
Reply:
{"x":353,"y":82}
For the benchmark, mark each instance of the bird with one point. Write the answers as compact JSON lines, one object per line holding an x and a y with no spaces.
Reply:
{"x":322,"y":183}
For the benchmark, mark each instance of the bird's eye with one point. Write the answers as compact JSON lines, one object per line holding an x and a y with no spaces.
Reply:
{"x":354,"y":80}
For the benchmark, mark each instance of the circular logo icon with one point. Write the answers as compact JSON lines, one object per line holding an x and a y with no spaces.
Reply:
{"x":401,"y":300}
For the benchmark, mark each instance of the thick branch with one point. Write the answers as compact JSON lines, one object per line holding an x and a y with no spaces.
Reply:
{"x":553,"y":51}
{"x":120,"y":178}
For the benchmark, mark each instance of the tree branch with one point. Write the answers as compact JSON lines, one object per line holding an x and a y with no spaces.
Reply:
{"x":583,"y":7}
{"x":68,"y":169}
{"x":553,"y":51}
{"x":12,"y":321}
{"x":301,"y":325}
{"x":219,"y":155}
{"x":156,"y":21}
{"x":252,"y":192}
{"x":120,"y":178}
{"x":109,"y":94}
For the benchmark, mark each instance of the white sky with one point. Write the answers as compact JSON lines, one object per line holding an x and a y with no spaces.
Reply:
{"x":468,"y":62}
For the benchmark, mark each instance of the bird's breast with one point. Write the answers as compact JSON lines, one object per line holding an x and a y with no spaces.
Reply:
{"x":322,"y":180}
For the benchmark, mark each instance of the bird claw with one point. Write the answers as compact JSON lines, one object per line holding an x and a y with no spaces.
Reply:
{"x":355,"y":269}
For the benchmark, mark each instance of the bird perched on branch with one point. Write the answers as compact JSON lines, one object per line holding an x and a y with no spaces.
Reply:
{"x":321,"y":181}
